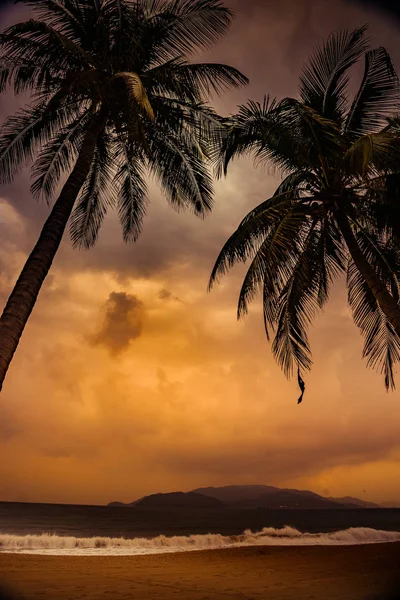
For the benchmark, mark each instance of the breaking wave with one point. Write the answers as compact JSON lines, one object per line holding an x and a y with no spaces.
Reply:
{"x":269,"y":536}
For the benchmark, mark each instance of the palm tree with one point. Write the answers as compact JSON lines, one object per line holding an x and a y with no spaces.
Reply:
{"x":113,"y":97}
{"x":336,"y":210}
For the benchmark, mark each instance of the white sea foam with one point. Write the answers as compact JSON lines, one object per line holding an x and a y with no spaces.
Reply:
{"x":106,"y":546}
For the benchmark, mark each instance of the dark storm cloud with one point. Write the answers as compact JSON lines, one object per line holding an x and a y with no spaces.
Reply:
{"x":164,"y":295}
{"x":167,"y":295}
{"x":269,"y":41}
{"x":122,"y":324}
{"x":265,"y":460}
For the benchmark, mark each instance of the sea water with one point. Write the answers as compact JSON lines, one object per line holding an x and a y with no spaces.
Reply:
{"x":100,"y":530}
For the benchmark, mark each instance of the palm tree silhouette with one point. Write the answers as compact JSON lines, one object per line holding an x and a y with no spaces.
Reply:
{"x":113,"y":98}
{"x":336,"y":210}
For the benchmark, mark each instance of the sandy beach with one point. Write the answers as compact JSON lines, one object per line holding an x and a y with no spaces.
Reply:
{"x":348,"y":573}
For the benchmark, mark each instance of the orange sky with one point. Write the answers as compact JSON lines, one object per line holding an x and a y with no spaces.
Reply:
{"x":131,"y":379}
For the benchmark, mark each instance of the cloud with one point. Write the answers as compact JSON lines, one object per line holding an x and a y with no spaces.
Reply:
{"x":167,"y":295}
{"x":164,"y":295}
{"x":123,"y":322}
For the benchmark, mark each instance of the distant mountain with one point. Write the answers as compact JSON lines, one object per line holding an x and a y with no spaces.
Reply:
{"x":293,"y":500}
{"x":266,"y":496}
{"x":233,"y":494}
{"x":247,"y":497}
{"x":179,"y":500}
{"x":361,"y":503}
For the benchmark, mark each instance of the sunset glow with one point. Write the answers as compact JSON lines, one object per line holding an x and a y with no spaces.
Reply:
{"x":132,"y":379}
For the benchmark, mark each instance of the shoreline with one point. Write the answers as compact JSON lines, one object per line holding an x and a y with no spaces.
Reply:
{"x":51,"y":544}
{"x":251,"y":572}
{"x":94,"y":552}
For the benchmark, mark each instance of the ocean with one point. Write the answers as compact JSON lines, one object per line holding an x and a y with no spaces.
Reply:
{"x":101,"y":530}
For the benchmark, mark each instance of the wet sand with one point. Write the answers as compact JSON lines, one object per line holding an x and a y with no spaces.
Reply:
{"x":275,"y":573}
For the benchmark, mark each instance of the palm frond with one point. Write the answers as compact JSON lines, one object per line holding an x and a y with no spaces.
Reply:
{"x":382,"y":345}
{"x":324,"y":79}
{"x":287,"y":134}
{"x":97,"y":195}
{"x":136,"y":92}
{"x":116,"y":13}
{"x":190,"y":25}
{"x":132,"y":198}
{"x":250,"y":130}
{"x":194,"y":82}
{"x":316,"y":260}
{"x":296,"y":306}
{"x":155,"y":32}
{"x":378,"y":96}
{"x":334,"y":258}
{"x":382,"y":208}
{"x":315,"y":139}
{"x":23,"y":133}
{"x":65,"y":15}
{"x":181,"y":168}
{"x":199,"y":118}
{"x":36,"y":41}
{"x":371,"y":153}
{"x":249,"y":236}
{"x":23,"y":76}
{"x":300,"y":181}
{"x":56,"y":157}
{"x":273,"y":257}
{"x":382,"y":254}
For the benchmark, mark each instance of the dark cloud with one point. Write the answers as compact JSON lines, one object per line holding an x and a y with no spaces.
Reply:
{"x":261,"y":463}
{"x":167,"y":295}
{"x":164,"y":295}
{"x":269,"y":41}
{"x":122,"y":324}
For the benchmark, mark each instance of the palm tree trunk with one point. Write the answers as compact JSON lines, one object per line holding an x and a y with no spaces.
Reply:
{"x":385,"y":300}
{"x":26,"y":290}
